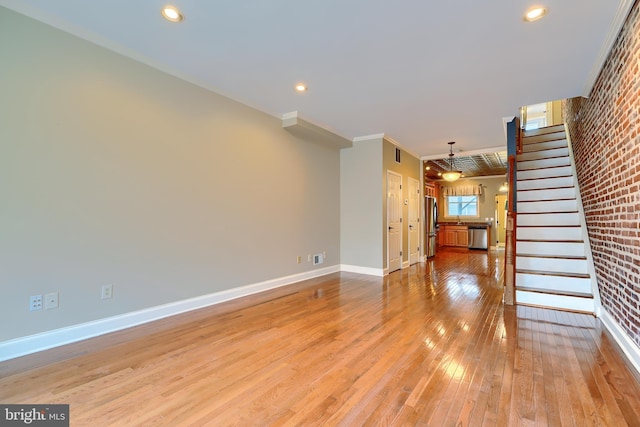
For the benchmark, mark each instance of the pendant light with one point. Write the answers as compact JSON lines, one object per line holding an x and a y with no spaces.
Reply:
{"x":451,"y":175}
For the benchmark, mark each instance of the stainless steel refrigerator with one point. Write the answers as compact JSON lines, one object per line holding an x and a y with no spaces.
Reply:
{"x":431,"y":219}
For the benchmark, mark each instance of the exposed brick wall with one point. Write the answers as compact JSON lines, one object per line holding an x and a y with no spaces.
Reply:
{"x":604,"y":134}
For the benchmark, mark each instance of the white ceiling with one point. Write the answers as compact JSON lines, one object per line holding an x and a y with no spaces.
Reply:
{"x":421,"y":72}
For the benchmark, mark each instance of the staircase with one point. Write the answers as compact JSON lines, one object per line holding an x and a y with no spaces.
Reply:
{"x":554,"y":267}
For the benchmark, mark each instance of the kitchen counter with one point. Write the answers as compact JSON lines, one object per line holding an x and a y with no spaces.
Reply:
{"x":468,"y":224}
{"x":452,"y":233}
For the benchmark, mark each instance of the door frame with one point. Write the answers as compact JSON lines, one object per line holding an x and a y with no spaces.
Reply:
{"x":497,"y":220}
{"x":419,"y":228}
{"x":390,"y":172}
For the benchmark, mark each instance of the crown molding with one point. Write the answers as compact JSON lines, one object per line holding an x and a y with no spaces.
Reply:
{"x":302,"y":128}
{"x":618,"y":21}
{"x":384,"y":137}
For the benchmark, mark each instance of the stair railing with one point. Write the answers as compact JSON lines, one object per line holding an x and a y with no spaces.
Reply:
{"x":514,"y":146}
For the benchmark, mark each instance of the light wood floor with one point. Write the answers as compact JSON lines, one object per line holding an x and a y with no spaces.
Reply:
{"x":430,"y":345}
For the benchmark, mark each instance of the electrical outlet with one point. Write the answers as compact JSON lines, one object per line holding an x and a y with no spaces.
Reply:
{"x":51,"y":301}
{"x":309,"y":258}
{"x":107,"y":292}
{"x":35,"y":302}
{"x":299,"y":259}
{"x":324,"y":254}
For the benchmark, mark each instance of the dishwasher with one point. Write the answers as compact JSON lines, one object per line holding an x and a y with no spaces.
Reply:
{"x":477,"y":237}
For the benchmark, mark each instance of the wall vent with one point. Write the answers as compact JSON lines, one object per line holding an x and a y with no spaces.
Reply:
{"x":318,"y":259}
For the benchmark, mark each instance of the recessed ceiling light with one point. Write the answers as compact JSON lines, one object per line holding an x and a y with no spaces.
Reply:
{"x":535,"y":13}
{"x":428,"y":168}
{"x":171,"y":13}
{"x":301,"y":87}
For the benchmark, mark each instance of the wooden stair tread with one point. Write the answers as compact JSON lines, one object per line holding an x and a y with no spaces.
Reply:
{"x":554,"y":273}
{"x":548,"y":226}
{"x":554,"y":292}
{"x":547,"y":200}
{"x":545,"y":177}
{"x":571,"y":257}
{"x":541,"y":158}
{"x":543,"y":130}
{"x":543,"y":168}
{"x":545,"y":213}
{"x":545,"y":189}
{"x":525,"y":142}
{"x":549,"y":241}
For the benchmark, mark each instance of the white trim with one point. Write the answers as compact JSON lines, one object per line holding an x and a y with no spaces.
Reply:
{"x":369,"y":271}
{"x":368,"y":137}
{"x":397,"y":144}
{"x":58,"y":337}
{"x":384,"y":137}
{"x":405,"y":264}
{"x":629,"y":348}
{"x":85,"y":34}
{"x":505,"y":122}
{"x":614,"y":30}
{"x":385,"y":272}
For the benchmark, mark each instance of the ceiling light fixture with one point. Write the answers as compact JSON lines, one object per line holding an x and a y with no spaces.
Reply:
{"x":171,"y":13}
{"x":535,"y":13}
{"x":301,"y":87}
{"x":451,"y":175}
{"x":504,"y":187}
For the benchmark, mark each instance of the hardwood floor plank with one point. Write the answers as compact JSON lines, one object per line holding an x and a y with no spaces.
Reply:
{"x":428,"y":345}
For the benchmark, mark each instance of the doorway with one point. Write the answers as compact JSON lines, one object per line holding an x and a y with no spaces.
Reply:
{"x":394,"y":221}
{"x":501,"y":220}
{"x":414,"y":221}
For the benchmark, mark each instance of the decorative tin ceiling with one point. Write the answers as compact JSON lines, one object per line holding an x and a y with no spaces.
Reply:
{"x":488,"y":164}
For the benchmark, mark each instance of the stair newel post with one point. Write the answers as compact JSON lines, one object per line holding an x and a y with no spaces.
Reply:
{"x":514,"y":143}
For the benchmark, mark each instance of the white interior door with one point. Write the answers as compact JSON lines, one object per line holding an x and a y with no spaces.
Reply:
{"x":414,"y":221}
{"x":394,"y":221}
{"x":501,"y":219}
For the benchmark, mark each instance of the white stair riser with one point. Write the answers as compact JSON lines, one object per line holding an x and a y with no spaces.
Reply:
{"x":544,"y":194}
{"x":551,"y":233}
{"x":556,"y":265}
{"x":550,"y":248}
{"x":559,"y":143}
{"x":558,"y":283}
{"x":543,"y":154}
{"x":543,"y":163}
{"x":546,"y":134}
{"x":548,"y":219}
{"x":556,"y":301}
{"x":546,"y":173}
{"x":547,"y":206}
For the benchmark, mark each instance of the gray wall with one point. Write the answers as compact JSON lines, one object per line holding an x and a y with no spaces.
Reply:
{"x":361,"y":204}
{"x":112,"y":172}
{"x":409,"y":167}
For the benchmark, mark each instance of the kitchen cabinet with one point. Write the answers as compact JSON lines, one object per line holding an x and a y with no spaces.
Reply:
{"x":454,"y":235}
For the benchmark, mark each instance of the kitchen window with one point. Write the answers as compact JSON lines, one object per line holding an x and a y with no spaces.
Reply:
{"x":462,"y":206}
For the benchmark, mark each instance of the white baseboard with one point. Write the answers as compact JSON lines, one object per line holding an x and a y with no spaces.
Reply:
{"x":405,"y":264}
{"x":629,"y":348}
{"x":362,"y":270}
{"x":38,"y":342}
